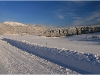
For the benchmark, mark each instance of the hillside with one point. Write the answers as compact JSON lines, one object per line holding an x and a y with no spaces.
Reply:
{"x":21,"y":29}
{"x":8,"y":27}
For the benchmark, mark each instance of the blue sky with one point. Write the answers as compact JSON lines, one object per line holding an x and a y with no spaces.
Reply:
{"x":51,"y":13}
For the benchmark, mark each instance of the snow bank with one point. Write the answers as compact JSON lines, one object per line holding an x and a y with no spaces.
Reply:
{"x":77,"y":61}
{"x":78,"y":43}
{"x":16,"y":61}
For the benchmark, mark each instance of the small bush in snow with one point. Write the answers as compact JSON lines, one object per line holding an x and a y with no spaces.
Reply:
{"x":96,"y":36}
{"x":86,"y":37}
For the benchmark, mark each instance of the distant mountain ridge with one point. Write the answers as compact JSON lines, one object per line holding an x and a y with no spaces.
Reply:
{"x":14,"y":23}
{"x":9,"y":27}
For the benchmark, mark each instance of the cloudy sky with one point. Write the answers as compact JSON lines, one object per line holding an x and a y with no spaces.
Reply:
{"x":51,"y":13}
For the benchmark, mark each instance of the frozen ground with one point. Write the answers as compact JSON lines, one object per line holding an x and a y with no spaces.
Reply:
{"x":50,"y":55}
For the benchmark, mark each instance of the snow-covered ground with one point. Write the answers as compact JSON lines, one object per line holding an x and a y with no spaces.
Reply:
{"x":76,"y":43}
{"x":17,"y":61}
{"x":80,"y":53}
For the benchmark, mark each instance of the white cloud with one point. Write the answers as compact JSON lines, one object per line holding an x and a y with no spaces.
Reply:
{"x":60,"y":9}
{"x":76,"y":17}
{"x":77,"y":22}
{"x":88,"y":19}
{"x":98,"y":19}
{"x":80,"y":3}
{"x":93,"y":16}
{"x":60,"y":16}
{"x":58,"y":13}
{"x":71,"y":14}
{"x":67,"y":9}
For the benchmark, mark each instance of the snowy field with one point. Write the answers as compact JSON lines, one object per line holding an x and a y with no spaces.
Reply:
{"x":47,"y":55}
{"x":76,"y":43}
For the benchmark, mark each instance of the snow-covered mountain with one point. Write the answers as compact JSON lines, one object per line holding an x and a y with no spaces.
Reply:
{"x":9,"y":27}
{"x":14,"y":23}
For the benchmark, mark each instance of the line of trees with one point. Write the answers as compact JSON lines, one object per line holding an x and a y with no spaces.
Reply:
{"x":71,"y":31}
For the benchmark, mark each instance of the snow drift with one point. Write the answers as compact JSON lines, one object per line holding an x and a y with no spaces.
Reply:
{"x":17,"y":61}
{"x":80,"y":62}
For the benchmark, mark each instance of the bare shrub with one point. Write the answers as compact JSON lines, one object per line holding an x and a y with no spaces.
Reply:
{"x":96,"y":36}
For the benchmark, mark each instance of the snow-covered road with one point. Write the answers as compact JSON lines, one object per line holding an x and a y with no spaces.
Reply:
{"x":16,"y":61}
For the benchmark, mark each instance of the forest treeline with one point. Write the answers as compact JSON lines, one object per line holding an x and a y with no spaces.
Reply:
{"x":71,"y":31}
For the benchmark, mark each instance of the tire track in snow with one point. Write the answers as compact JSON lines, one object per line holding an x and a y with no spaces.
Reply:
{"x":16,"y":61}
